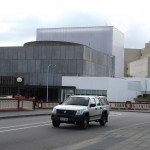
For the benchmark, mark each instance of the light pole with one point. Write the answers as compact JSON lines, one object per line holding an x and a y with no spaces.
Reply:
{"x":50,"y":65}
{"x":19,"y":80}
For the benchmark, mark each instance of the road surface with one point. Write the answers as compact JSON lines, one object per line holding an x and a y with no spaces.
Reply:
{"x":125,"y":130}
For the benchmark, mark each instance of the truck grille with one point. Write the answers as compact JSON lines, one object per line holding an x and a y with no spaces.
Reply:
{"x":65,"y":113}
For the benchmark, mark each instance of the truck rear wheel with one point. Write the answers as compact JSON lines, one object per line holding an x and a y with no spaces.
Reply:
{"x":103,"y":120}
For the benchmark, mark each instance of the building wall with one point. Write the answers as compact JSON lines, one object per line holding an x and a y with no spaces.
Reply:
{"x":130,"y":55}
{"x":145,"y":52}
{"x":98,"y":38}
{"x":137,"y":62}
{"x":118,"y":52}
{"x":96,"y":63}
{"x":106,"y":39}
{"x":118,"y":89}
{"x":138,"y":68}
{"x":31,"y":63}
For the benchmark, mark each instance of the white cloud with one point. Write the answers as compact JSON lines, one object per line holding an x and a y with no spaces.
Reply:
{"x":19,"y":19}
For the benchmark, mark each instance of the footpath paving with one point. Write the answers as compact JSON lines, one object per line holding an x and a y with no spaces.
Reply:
{"x":18,"y":114}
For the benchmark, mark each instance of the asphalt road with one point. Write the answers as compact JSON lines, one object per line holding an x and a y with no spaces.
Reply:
{"x":124,"y":130}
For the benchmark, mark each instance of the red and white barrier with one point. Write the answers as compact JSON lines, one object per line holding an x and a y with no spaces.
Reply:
{"x":129,"y":106}
{"x":46,"y":105}
{"x":17,"y":104}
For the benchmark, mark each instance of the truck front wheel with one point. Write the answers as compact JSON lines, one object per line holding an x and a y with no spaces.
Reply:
{"x":56,"y":123}
{"x":85,"y":122}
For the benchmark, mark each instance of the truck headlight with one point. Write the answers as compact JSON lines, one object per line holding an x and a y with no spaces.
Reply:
{"x":80,"y":112}
{"x":54,"y":111}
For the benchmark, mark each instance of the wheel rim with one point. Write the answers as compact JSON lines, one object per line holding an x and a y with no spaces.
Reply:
{"x":85,"y":123}
{"x":104,"y":119}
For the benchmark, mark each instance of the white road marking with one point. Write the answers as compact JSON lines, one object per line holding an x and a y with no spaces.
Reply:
{"x":115,"y":114}
{"x":24,"y":125}
{"x":24,"y":128}
{"x":34,"y":125}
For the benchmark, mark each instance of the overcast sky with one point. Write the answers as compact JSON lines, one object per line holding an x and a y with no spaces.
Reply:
{"x":19,"y":19}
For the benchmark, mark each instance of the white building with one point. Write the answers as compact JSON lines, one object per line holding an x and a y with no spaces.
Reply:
{"x":116,"y":89}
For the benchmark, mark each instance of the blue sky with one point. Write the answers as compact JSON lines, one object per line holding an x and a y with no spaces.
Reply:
{"x":19,"y":19}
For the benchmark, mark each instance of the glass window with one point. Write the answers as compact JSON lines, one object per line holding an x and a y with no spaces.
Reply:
{"x":80,"y":92}
{"x":91,"y":92}
{"x":104,"y":93}
{"x":92,"y":101}
{"x":104,"y":101}
{"x":97,"y":101}
{"x":82,"y":101}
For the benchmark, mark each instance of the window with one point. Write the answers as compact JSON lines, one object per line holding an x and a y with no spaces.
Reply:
{"x":97,"y":101}
{"x":81,"y":101}
{"x":104,"y":101}
{"x":91,"y":92}
{"x":92,"y":101}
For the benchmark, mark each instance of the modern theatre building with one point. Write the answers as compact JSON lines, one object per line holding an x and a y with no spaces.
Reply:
{"x":90,"y":52}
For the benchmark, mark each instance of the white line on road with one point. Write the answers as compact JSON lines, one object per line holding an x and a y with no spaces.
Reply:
{"x":33,"y":125}
{"x":115,"y":114}
{"x":25,"y":125}
{"x":24,"y":128}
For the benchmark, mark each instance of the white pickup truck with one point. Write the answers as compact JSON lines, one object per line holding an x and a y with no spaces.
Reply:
{"x":80,"y":110}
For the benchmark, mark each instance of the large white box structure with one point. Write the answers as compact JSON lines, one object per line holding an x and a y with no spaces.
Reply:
{"x":106,"y":39}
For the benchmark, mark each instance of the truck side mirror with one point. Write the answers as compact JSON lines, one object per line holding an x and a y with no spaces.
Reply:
{"x":92,"y":105}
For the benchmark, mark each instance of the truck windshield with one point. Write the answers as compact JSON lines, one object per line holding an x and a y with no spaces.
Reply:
{"x":82,"y":101}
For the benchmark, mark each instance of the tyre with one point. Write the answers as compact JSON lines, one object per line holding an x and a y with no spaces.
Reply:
{"x":103,"y":120}
{"x":56,"y":123}
{"x":85,"y":123}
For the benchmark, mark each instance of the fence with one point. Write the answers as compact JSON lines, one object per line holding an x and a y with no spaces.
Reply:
{"x":129,"y":106}
{"x":45,"y":105}
{"x":16,"y":104}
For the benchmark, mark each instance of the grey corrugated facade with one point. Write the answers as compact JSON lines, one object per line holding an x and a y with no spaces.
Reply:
{"x":31,"y":61}
{"x":106,"y":39}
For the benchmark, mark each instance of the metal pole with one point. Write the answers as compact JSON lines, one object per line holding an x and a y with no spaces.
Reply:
{"x":47,"y":78}
{"x":19,"y":80}
{"x":47,"y":81}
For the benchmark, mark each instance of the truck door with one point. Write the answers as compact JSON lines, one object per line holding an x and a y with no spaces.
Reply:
{"x":92,"y":109}
{"x":99,"y":107}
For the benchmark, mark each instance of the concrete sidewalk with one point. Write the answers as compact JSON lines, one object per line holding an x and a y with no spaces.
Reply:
{"x":18,"y":114}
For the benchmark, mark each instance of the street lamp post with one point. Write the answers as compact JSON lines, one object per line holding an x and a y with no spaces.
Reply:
{"x":19,"y":80}
{"x":50,"y":65}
